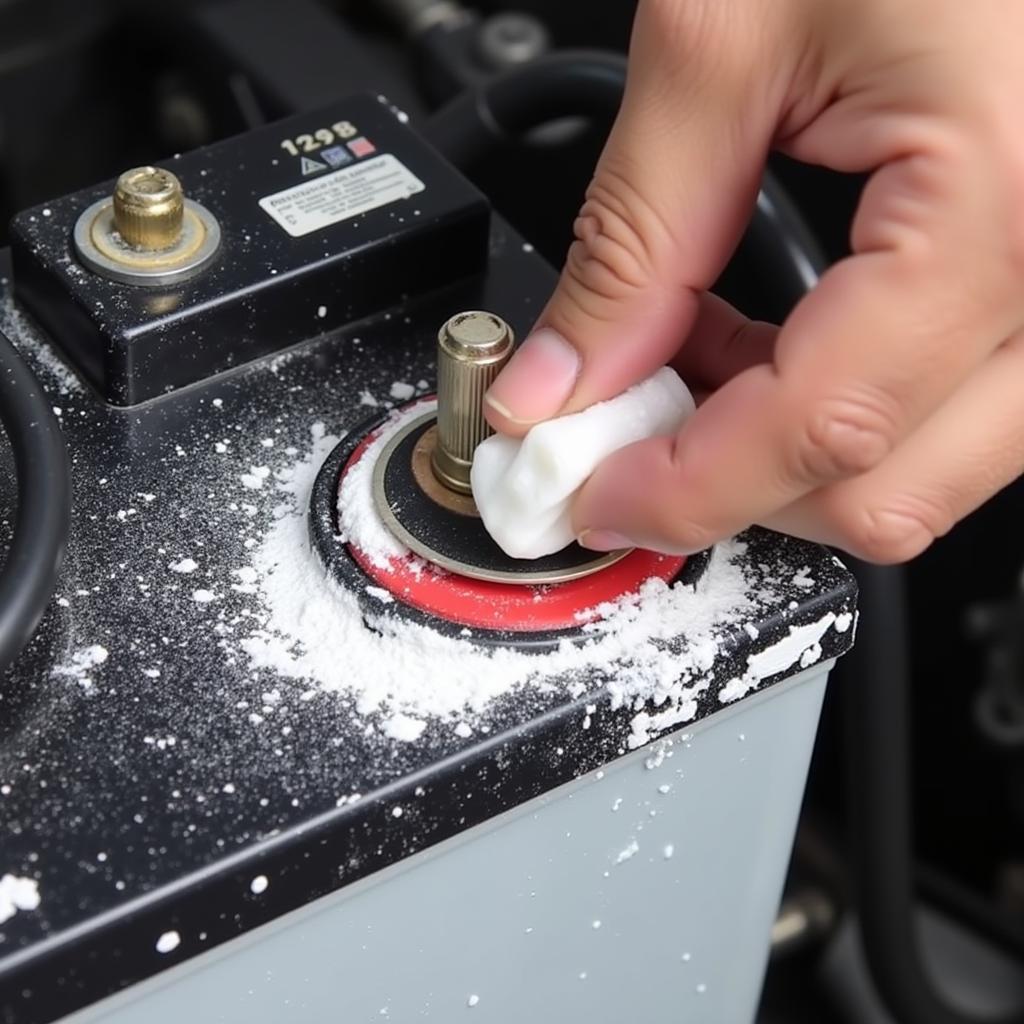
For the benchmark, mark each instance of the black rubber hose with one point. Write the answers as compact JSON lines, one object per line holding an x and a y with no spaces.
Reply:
{"x":590,"y":83}
{"x":1002,"y":928}
{"x":783,"y":244}
{"x":43,"y":519}
{"x":569,"y":83}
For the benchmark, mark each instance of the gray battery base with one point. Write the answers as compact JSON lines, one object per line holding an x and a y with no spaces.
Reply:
{"x":645,"y":891}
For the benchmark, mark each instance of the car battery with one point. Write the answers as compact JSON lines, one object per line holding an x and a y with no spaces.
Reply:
{"x":295,"y":741}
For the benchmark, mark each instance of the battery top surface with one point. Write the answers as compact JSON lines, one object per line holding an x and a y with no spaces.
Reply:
{"x":189,"y":717}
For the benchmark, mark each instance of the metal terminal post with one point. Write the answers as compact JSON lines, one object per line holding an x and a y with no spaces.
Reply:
{"x":472,"y":348}
{"x":147,"y":232}
{"x":149,"y":207}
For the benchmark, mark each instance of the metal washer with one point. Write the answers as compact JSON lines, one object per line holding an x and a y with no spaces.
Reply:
{"x":200,"y":241}
{"x":516,"y":572}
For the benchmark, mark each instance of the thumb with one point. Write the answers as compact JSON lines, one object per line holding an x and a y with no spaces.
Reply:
{"x":669,"y":199}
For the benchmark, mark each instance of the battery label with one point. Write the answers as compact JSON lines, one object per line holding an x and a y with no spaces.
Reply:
{"x":334,"y":197}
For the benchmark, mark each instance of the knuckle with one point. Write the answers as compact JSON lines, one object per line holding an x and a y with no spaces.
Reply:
{"x":843,"y":437}
{"x":613,"y":252}
{"x":898,"y":530}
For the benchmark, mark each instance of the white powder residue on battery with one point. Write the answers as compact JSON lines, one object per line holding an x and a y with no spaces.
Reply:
{"x":401,"y":674}
{"x":314,"y":205}
{"x":17,"y":894}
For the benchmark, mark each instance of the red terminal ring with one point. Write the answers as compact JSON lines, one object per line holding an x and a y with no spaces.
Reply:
{"x":481,"y":604}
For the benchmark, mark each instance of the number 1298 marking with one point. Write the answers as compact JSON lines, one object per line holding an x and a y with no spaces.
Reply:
{"x":321,"y":137}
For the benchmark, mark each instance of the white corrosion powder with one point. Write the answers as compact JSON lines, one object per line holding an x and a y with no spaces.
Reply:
{"x":17,"y":894}
{"x":402,"y":390}
{"x":800,"y":645}
{"x":255,"y":478}
{"x":29,"y":342}
{"x":628,"y":852}
{"x":311,"y":629}
{"x":168,"y":942}
{"x":404,"y":727}
{"x":360,"y":523}
{"x":82,"y":662}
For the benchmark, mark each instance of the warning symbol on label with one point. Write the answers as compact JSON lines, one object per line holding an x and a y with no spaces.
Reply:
{"x":336,"y":156}
{"x":310,"y":166}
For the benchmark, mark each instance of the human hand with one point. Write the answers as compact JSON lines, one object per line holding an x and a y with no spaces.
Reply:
{"x":891,"y":402}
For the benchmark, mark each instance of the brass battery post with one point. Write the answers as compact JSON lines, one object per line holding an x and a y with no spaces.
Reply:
{"x":471,"y":350}
{"x":148,"y":232}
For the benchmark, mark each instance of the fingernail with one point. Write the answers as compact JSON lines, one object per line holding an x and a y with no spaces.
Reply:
{"x":538,"y":380}
{"x":603,"y":540}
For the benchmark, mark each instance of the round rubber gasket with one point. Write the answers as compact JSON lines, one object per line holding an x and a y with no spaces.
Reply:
{"x":491,"y":614}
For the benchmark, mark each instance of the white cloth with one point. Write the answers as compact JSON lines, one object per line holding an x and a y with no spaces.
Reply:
{"x":524,"y":487}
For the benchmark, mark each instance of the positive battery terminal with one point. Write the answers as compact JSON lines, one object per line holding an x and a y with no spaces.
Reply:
{"x":421,"y":485}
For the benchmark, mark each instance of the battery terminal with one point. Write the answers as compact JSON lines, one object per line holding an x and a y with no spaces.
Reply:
{"x":147,"y":232}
